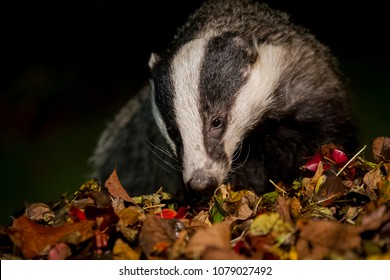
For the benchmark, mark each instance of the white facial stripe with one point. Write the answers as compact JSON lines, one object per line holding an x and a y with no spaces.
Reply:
{"x":159,"y":120}
{"x":186,"y":69}
{"x":255,"y":95}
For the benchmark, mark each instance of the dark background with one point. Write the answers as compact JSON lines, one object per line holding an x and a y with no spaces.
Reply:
{"x":67,"y":68}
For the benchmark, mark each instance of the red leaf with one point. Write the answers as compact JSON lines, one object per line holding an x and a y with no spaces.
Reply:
{"x":182,"y":212}
{"x":312,"y":163}
{"x":168,"y":214}
{"x":240,"y":247}
{"x":77,"y":214}
{"x":101,"y":239}
{"x":339,"y":156}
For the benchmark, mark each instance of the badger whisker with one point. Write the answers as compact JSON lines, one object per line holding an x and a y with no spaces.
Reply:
{"x":169,"y":164}
{"x":238,"y":151}
{"x":164,"y":151}
{"x":236,"y":168}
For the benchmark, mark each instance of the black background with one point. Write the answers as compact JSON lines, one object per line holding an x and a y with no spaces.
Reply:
{"x":67,"y":68}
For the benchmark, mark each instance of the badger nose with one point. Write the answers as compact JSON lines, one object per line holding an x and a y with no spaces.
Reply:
{"x":202,"y":182}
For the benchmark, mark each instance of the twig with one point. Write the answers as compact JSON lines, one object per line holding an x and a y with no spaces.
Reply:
{"x":352,"y":159}
{"x":276,"y":186}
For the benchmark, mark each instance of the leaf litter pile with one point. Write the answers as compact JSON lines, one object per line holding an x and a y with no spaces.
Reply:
{"x":338,"y":209}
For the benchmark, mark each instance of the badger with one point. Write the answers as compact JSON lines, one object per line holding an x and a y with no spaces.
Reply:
{"x":241,"y":95}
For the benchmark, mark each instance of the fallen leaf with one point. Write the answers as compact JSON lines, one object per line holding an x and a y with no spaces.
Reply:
{"x":216,"y":236}
{"x":339,"y":156}
{"x":270,"y":223}
{"x":295,"y":207}
{"x":122,"y":251}
{"x":375,"y":219}
{"x":101,"y":239}
{"x":182,"y":212}
{"x":385,"y":256}
{"x":328,"y":188}
{"x":59,"y":251}
{"x":283,"y":209}
{"x":154,"y":233}
{"x":352,"y":213}
{"x":130,"y":216}
{"x":384,"y":191}
{"x":193,"y":225}
{"x":372,"y":179}
{"x":203,"y":217}
{"x":313,"y":162}
{"x":381,"y":149}
{"x":318,"y":239}
{"x":260,"y":246}
{"x":76,"y":214}
{"x":167,"y":213}
{"x":309,"y":184}
{"x":316,"y":211}
{"x":269,"y":198}
{"x":115,"y":187}
{"x":35,"y":240}
{"x":39,"y":212}
{"x":129,"y":220}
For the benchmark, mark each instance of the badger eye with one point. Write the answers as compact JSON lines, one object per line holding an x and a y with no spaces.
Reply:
{"x":217,"y":122}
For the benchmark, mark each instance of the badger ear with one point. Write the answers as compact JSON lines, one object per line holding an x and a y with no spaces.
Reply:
{"x":154,"y":58}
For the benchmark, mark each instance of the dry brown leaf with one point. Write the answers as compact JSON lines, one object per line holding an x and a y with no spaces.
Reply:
{"x":193,"y":226}
{"x":35,"y":240}
{"x":318,"y":239}
{"x":371,"y":180}
{"x":295,"y":207}
{"x":387,"y":168}
{"x":39,"y":212}
{"x":203,"y":216}
{"x":282,"y":208}
{"x":309,"y":184}
{"x":115,"y":187}
{"x":217,"y":236}
{"x":179,"y":246}
{"x":381,"y":149}
{"x":242,"y":211}
{"x":328,"y":190}
{"x":375,"y":219}
{"x":154,"y":233}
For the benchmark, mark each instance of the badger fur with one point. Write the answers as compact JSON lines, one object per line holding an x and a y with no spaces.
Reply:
{"x":241,"y":95}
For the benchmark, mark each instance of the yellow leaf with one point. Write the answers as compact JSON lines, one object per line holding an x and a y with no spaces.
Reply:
{"x":269,"y":222}
{"x":122,"y":251}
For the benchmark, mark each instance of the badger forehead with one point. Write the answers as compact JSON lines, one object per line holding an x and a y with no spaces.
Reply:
{"x":224,"y":75}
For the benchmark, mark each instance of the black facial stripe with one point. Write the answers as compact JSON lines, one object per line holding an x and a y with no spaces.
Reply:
{"x":164,"y":95}
{"x":226,"y":64}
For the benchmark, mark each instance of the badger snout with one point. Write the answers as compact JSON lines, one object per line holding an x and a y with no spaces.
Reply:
{"x":202,"y":181}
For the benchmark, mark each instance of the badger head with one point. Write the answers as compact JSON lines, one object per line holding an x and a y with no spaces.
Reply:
{"x":208,"y":94}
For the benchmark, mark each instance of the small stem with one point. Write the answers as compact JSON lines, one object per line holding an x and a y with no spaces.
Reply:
{"x":352,"y":159}
{"x":276,"y":186}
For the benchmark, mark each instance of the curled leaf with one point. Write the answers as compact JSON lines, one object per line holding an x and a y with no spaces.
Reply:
{"x":381,"y":149}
